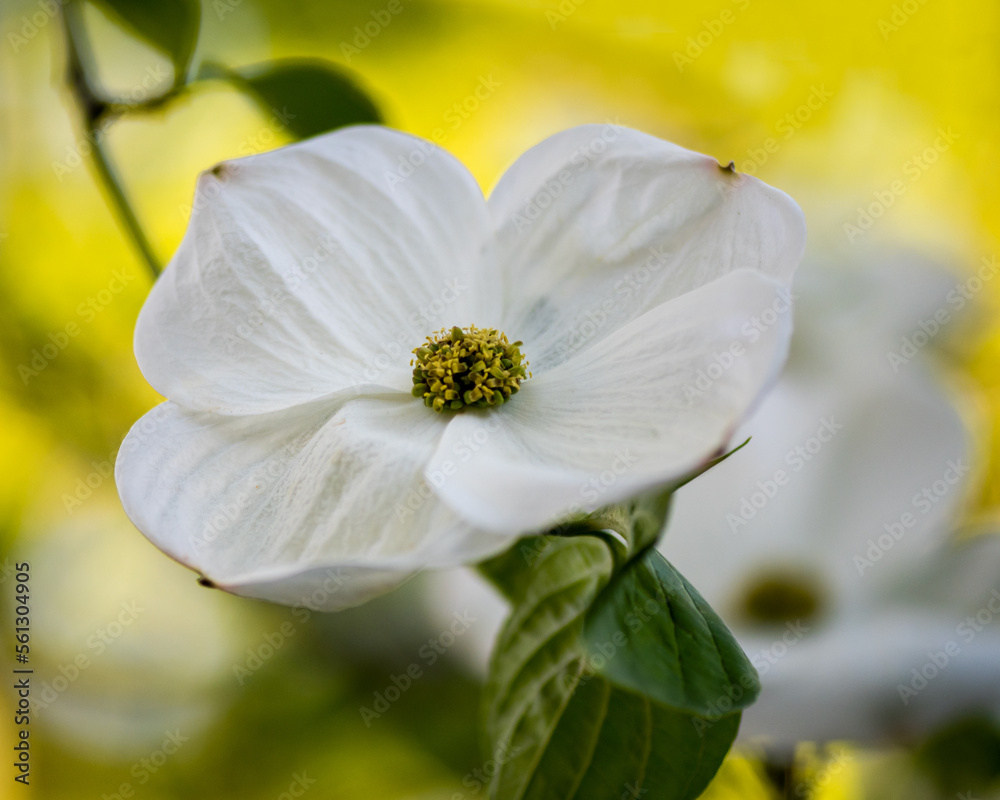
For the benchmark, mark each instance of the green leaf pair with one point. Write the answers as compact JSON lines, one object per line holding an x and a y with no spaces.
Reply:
{"x":311,"y":96}
{"x":612,"y":677}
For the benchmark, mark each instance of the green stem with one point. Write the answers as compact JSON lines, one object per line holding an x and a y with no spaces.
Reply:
{"x":121,"y":203}
{"x":92,"y":110}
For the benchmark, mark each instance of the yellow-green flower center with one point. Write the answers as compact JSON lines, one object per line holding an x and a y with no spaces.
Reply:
{"x":467,"y":367}
{"x":782,"y":596}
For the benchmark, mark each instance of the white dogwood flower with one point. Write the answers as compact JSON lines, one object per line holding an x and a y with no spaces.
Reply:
{"x":371,"y":369}
{"x":824,"y":543}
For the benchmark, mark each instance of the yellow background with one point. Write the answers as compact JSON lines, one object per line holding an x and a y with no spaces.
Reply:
{"x":885,"y":79}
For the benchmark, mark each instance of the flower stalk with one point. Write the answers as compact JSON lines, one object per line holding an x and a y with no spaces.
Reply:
{"x":93,"y":109}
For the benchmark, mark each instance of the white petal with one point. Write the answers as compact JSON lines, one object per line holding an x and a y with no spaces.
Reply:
{"x":313,"y":268}
{"x":843,"y":682}
{"x":325,"y":497}
{"x":958,"y":575}
{"x":885,"y":293}
{"x":464,"y":602}
{"x":599,"y":224}
{"x":640,"y":408}
{"x":848,"y":511}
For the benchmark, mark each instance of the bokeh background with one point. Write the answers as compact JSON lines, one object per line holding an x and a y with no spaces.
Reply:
{"x":159,"y":688}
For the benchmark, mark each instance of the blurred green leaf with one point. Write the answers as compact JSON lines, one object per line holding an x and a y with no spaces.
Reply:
{"x":309,"y":96}
{"x":169,"y":25}
{"x":611,"y":675}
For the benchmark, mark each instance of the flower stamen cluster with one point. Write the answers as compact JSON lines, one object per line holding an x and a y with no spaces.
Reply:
{"x":471,"y":367}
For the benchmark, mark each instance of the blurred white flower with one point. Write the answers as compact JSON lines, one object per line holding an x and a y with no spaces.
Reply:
{"x":293,"y":461}
{"x":124,"y":658}
{"x":466,"y":591}
{"x":824,"y":543}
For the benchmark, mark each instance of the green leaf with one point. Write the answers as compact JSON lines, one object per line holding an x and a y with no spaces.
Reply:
{"x":610,"y":743}
{"x":309,"y":96}
{"x":169,"y":25}
{"x":674,"y":648}
{"x":592,"y":693}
